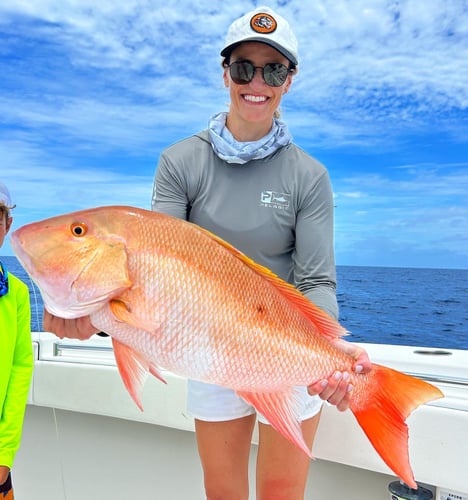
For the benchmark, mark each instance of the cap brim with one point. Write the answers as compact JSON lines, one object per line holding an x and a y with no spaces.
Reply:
{"x":227,"y":50}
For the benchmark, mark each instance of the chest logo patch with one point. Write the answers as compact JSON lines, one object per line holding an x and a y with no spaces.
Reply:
{"x":273,"y":199}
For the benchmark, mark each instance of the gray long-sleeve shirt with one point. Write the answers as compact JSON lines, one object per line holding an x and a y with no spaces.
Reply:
{"x":277,"y":210}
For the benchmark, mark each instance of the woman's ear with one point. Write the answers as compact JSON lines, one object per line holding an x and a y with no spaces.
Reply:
{"x":226,"y":78}
{"x":287,"y":84}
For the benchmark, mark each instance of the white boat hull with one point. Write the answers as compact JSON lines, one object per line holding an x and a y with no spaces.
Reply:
{"x":85,"y":438}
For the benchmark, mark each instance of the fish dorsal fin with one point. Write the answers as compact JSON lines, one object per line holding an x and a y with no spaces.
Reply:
{"x":327,"y":326}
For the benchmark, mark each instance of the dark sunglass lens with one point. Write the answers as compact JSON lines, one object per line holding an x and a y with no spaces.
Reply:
{"x":275,"y":74}
{"x":242,"y":72}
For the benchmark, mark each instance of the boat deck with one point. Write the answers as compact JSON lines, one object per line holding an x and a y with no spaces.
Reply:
{"x":85,"y":438}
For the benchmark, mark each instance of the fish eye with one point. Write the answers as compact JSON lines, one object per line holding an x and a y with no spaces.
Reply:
{"x":79,"y":229}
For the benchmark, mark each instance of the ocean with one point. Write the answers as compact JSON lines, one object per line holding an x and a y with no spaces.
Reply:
{"x":382,"y":305}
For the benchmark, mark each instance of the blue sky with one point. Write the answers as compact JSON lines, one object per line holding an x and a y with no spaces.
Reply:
{"x":92,"y":91}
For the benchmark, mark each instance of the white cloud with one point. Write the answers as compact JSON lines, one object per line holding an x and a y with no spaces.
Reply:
{"x":91,"y":92}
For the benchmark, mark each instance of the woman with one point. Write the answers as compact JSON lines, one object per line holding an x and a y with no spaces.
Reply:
{"x":16,"y":359}
{"x":245,"y":181}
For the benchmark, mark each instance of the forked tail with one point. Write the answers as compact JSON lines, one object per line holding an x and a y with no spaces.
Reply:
{"x":381,"y":410}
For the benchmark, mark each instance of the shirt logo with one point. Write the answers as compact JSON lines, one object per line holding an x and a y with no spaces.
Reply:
{"x":273,"y":199}
{"x":263,"y":23}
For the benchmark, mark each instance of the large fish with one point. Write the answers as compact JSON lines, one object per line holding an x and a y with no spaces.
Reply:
{"x":174,"y":296}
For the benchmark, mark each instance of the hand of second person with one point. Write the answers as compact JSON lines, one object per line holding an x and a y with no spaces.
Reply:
{"x":77,"y":328}
{"x":4,"y":471}
{"x":337,"y":389}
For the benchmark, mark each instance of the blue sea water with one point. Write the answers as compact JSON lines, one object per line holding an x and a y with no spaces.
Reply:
{"x":383,"y":305}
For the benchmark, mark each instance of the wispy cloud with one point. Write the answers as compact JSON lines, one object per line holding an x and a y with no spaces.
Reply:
{"x":93,"y":91}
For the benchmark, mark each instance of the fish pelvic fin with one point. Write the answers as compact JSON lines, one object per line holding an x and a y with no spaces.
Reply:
{"x":281,"y":409}
{"x":326,"y":326}
{"x":390,"y":398}
{"x":133,"y":368}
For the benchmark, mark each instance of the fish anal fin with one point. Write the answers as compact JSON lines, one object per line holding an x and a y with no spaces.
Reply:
{"x":281,"y":409}
{"x":133,"y":368}
{"x":390,"y":397}
{"x":154,"y":371}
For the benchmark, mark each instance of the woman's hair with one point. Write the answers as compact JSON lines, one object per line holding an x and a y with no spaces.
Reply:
{"x":4,"y":212}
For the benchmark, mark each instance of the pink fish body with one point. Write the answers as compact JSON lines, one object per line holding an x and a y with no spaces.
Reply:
{"x":174,"y":296}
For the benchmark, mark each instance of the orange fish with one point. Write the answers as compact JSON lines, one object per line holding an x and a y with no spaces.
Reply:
{"x":174,"y":296}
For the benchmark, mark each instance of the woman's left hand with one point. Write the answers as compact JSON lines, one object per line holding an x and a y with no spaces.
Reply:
{"x":337,"y":389}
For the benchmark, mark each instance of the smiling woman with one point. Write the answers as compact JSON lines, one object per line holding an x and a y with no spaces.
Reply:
{"x":244,"y":180}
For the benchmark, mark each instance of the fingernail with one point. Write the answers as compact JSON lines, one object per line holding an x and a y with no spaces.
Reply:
{"x":324,"y":383}
{"x":350,"y":388}
{"x":358,"y":369}
{"x":345,"y":376}
{"x":337,"y":376}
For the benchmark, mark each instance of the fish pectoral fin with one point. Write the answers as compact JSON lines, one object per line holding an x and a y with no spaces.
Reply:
{"x":123,"y":312}
{"x":133,"y":368}
{"x":281,"y":409}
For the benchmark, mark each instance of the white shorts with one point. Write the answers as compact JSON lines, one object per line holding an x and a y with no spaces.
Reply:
{"x":213,"y":403}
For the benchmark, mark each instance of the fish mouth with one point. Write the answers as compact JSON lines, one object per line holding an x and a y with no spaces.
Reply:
{"x":23,"y":256}
{"x":18,"y":248}
{"x":65,"y":307}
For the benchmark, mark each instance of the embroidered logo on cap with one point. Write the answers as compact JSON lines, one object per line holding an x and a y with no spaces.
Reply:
{"x":263,"y":23}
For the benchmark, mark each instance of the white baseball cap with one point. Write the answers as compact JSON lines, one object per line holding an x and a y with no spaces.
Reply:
{"x":5,"y":198}
{"x":262,"y":25}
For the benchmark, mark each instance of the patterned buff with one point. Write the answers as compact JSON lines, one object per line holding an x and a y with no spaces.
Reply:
{"x":3,"y":280}
{"x":232,"y":151}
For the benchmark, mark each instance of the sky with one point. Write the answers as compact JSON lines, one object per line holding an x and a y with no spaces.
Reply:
{"x":91,"y":92}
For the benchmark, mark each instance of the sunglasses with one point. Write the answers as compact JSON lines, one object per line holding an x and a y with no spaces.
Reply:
{"x":243,"y":72}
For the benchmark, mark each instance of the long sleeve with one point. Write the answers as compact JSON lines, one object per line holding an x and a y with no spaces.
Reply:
{"x":314,"y":262}
{"x":169,"y":193}
{"x":16,"y":365}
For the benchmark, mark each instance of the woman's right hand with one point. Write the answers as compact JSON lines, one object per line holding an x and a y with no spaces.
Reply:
{"x":77,"y":328}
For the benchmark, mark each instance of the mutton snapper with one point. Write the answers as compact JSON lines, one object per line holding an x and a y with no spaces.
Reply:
{"x":174,"y":296}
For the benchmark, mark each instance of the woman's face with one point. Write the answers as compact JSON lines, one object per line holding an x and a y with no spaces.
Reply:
{"x":255,"y":101}
{"x":5,"y":224}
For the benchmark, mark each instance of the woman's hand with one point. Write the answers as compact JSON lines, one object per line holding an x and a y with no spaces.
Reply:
{"x":78,"y":328}
{"x":337,"y":389}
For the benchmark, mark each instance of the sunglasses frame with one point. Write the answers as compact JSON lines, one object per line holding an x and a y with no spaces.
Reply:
{"x":238,"y":81}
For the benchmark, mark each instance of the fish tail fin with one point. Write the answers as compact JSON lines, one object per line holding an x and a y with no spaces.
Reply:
{"x":390,"y":396}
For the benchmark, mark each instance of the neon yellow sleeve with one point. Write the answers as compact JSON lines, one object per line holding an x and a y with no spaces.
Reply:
{"x":16,"y":364}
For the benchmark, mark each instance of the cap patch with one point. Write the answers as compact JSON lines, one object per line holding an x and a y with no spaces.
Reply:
{"x":263,"y":23}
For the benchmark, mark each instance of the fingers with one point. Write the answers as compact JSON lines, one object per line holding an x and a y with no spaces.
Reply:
{"x":78,"y":328}
{"x":336,"y":390}
{"x":362,"y":362}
